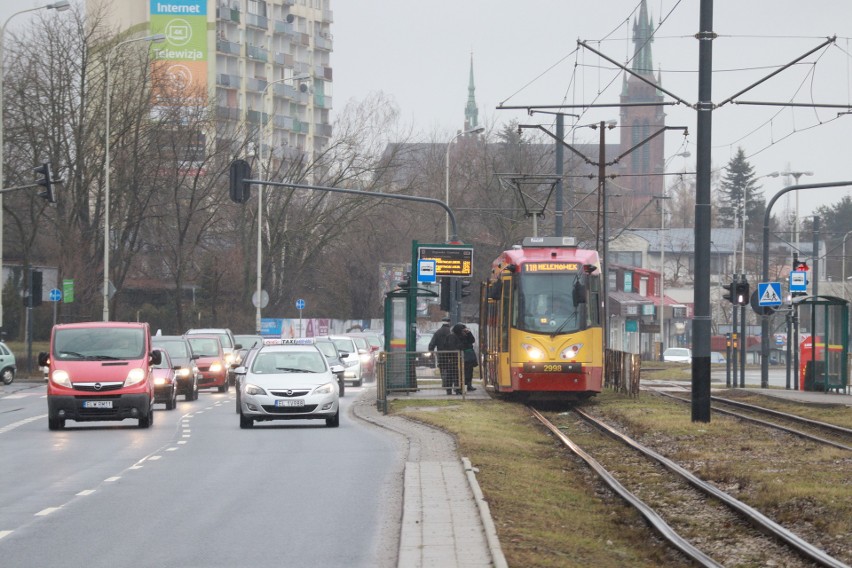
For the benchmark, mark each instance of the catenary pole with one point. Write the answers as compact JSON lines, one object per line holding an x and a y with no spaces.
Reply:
{"x":701,"y":322}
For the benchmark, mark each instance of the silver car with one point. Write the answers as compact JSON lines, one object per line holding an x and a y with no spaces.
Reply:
{"x":288,"y":382}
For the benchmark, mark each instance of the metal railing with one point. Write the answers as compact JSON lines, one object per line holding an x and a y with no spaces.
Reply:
{"x":412,"y":371}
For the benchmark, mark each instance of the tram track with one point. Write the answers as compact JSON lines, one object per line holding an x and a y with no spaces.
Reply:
{"x":813,"y":430}
{"x":707,"y":525}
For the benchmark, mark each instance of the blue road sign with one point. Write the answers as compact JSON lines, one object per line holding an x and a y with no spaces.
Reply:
{"x":426,"y":270}
{"x":769,"y":294}
{"x":55,"y":295}
{"x":300,"y":304}
{"x":798,"y":281}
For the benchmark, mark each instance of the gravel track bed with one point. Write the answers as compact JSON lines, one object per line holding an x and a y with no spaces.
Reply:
{"x":711,"y":526}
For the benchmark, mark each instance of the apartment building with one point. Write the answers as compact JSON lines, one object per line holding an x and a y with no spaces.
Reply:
{"x":265,"y":65}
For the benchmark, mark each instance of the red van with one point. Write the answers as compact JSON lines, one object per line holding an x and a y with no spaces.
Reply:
{"x":100,"y":371}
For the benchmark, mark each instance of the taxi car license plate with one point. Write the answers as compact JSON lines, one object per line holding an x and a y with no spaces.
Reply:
{"x":97,"y":404}
{"x":287,"y":402}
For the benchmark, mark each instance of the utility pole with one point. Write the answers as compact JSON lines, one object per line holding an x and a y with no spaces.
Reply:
{"x":701,"y":322}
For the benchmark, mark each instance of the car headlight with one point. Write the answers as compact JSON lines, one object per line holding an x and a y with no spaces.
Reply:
{"x":366,"y":358}
{"x":327,"y":388}
{"x":135,"y":376}
{"x":571,"y":351}
{"x":229,"y":359}
{"x":159,"y":381}
{"x":216,"y":367}
{"x":61,"y":378}
{"x":533,"y":352}
{"x":254,"y":390}
{"x":183,"y":372}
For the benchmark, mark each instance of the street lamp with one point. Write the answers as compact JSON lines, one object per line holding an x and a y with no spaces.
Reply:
{"x":743,"y":215}
{"x":60,"y":6}
{"x":476,"y":130}
{"x":796,"y":175}
{"x":257,"y":318}
{"x":157,"y":38}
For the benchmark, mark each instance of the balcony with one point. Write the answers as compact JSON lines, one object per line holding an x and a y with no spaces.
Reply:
{"x":259,"y":22}
{"x":227,"y":47}
{"x":257,"y":53}
{"x":322,"y":43}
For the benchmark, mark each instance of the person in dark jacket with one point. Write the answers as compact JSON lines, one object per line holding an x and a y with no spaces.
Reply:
{"x":466,"y":341}
{"x":443,"y":340}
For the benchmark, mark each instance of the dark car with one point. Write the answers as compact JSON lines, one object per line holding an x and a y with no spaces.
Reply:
{"x":183,"y":362}
{"x":165,"y":380}
{"x":423,"y":357}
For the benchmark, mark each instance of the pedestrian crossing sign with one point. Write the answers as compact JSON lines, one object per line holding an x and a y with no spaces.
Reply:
{"x":769,"y":294}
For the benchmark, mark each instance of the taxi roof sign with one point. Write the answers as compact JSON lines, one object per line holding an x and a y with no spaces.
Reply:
{"x":289,"y":341}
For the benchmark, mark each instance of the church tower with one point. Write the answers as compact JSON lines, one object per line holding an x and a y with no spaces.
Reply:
{"x":471,"y":112}
{"x":641,"y":170}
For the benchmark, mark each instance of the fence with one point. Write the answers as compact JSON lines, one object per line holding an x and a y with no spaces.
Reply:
{"x":412,"y":371}
{"x":622,"y":372}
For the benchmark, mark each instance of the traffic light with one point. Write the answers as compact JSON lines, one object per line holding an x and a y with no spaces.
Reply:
{"x":742,"y":290}
{"x":446,"y":295}
{"x":240,"y":188}
{"x":732,"y":292}
{"x":464,"y":284}
{"x":405,"y":283}
{"x":35,"y":288}
{"x":46,"y":181}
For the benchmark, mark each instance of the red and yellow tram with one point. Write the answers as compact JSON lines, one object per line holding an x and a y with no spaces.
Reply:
{"x":540,"y":328}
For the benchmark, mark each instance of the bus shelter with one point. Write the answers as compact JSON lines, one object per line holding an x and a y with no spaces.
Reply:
{"x":824,"y":356}
{"x":397,"y":366}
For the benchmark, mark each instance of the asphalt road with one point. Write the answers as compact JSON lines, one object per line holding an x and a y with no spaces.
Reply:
{"x":195,"y":489}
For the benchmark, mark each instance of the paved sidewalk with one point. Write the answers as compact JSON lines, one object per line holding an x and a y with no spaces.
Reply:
{"x":445,"y":520}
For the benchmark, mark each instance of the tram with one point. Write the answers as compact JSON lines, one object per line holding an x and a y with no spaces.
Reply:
{"x":540,"y":330}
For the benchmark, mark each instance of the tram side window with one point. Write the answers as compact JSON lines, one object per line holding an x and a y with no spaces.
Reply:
{"x":507,"y":315}
{"x":594,"y":300}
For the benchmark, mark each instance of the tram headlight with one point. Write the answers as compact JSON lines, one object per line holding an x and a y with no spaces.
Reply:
{"x":571,"y":351}
{"x":533,"y":352}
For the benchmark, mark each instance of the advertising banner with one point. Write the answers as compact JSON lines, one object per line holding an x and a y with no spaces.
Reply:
{"x":183,"y":56}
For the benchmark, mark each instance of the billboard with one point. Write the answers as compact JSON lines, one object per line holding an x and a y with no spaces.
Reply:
{"x":183,"y":55}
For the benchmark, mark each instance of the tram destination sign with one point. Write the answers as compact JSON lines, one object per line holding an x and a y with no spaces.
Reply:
{"x":450,"y":260}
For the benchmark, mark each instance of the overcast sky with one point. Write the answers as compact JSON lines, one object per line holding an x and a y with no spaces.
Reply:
{"x":525,"y":53}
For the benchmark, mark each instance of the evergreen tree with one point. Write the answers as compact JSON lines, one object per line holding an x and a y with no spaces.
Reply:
{"x":739,"y":178}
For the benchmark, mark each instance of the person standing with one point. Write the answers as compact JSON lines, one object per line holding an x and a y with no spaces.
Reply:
{"x":467,"y":340}
{"x":439,"y":344}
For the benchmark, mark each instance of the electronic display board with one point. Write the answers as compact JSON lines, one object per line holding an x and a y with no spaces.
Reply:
{"x":449,"y":260}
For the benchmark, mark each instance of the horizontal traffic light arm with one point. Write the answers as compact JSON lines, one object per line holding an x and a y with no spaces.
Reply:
{"x":368,"y":194}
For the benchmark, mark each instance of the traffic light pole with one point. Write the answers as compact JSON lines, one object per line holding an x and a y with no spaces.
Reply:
{"x":736,"y":334}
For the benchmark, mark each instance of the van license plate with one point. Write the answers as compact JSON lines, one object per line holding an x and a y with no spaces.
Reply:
{"x":97,"y":404}
{"x":290,"y":402}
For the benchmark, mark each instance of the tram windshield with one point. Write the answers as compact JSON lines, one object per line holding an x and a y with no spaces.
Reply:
{"x":544,"y":302}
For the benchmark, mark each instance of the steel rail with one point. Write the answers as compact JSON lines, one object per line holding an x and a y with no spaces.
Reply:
{"x":793,"y":417}
{"x":656,"y":522}
{"x":781,"y":427}
{"x":755,"y":517}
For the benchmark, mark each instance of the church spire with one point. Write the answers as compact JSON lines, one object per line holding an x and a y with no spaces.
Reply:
{"x":643,"y":30}
{"x":471,"y":112}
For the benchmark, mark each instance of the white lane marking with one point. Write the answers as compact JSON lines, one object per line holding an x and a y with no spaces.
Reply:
{"x":182,"y":442}
{"x":172,"y":449}
{"x":19,"y":423}
{"x":115,"y":478}
{"x":154,"y":458}
{"x":85,"y":492}
{"x":4,"y":533}
{"x":45,"y":512}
